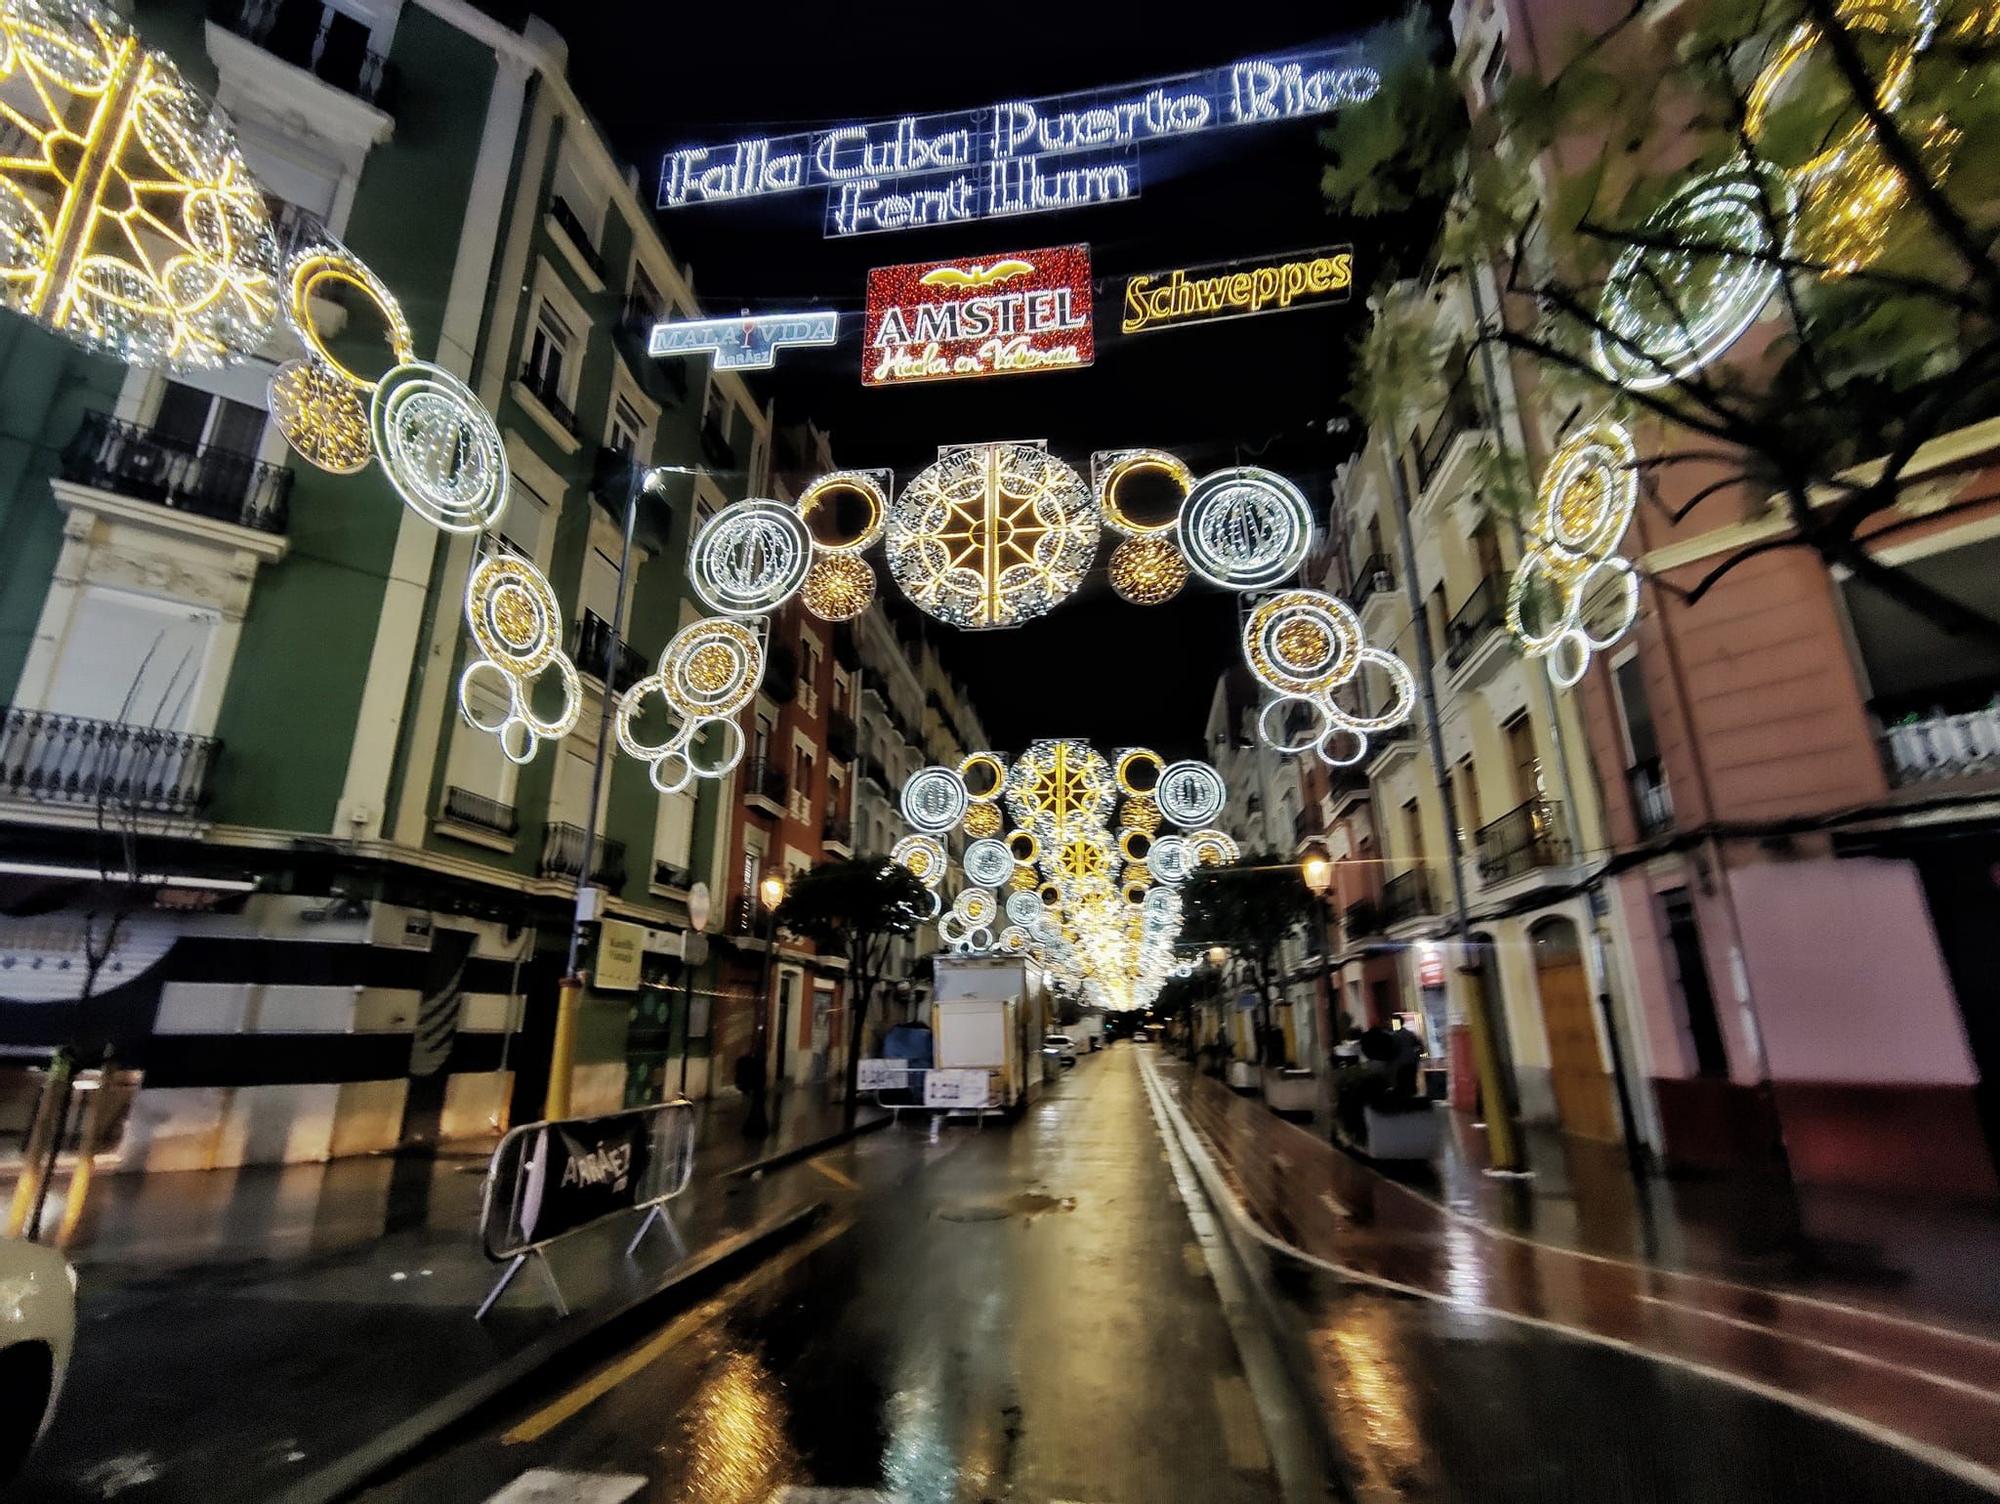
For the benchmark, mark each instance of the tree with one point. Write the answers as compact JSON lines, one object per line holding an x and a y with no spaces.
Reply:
{"x":1860,"y":140}
{"x":855,"y":908}
{"x":1249,"y":907}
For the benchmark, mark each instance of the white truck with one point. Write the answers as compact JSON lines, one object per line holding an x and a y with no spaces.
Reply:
{"x":988,"y":1015}
{"x":1087,"y":1031}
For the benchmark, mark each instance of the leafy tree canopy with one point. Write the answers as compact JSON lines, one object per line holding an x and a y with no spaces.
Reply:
{"x":837,"y":904}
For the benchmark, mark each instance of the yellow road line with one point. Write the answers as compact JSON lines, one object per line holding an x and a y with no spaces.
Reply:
{"x":846,"y":1182}
{"x":677,"y":1331}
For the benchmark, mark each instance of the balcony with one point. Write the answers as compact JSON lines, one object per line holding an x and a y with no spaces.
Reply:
{"x":544,"y":385}
{"x":104,"y":765}
{"x":764,"y":780}
{"x":590,"y":638}
{"x":846,"y":651}
{"x":842,"y":737}
{"x":295,"y":229}
{"x":326,"y":43}
{"x":1944,"y":746}
{"x":562,"y":856}
{"x":1453,"y":434}
{"x":1524,"y":839}
{"x":659,"y":379}
{"x":1305,"y":827}
{"x":1473,"y":627}
{"x":1385,"y":748}
{"x":838,"y":834}
{"x":715,"y":445}
{"x":463,"y":807}
{"x":667,"y":875}
{"x":1405,"y":897}
{"x":1375,"y":575}
{"x":126,"y":459}
{"x":1361,"y":919}
{"x":1652,"y":804}
{"x":781,"y":673}
{"x":580,"y":244}
{"x":871,"y":768}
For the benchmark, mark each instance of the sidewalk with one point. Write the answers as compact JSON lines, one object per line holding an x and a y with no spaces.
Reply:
{"x":239,"y":1329}
{"x":1930,"y":1387}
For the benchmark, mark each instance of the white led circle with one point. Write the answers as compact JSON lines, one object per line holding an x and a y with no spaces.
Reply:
{"x":1319,"y":725}
{"x":732,"y":746}
{"x":1211,"y":848}
{"x":1302,"y":642}
{"x":1667,"y":311}
{"x":439,"y":447}
{"x":923,"y":855}
{"x":750,"y":557}
{"x":1023,"y":908}
{"x":953,"y":928}
{"x":712,"y":667}
{"x":975,"y":906}
{"x":1191,"y":793}
{"x":1245,"y":529}
{"x":936,"y":905}
{"x":934,"y":800}
{"x":988,"y":863}
{"x":1170,"y":861}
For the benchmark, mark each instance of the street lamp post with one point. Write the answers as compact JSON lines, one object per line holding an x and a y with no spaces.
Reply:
{"x":1318,"y":874}
{"x":757,"y":1124}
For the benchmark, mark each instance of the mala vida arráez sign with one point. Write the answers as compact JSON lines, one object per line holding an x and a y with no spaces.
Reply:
{"x":1020,"y":156}
{"x":1236,"y":289}
{"x":949,"y":320}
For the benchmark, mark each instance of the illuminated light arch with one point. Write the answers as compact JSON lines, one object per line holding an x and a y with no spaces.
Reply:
{"x":708,"y":673}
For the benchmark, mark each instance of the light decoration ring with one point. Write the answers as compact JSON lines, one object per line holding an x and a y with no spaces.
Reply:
{"x":1135,"y":844}
{"x":985,"y":777}
{"x":983,"y":821}
{"x":1023,"y":908}
{"x":1133,"y":779}
{"x":439,"y":447}
{"x":935,"y":906}
{"x":1013,"y":939}
{"x":1170,"y":861}
{"x":1024,"y":846}
{"x":1148,"y":571}
{"x":976,"y":906}
{"x":1306,"y":645}
{"x":923,"y":855}
{"x":1190,"y":794}
{"x":817,"y":499}
{"x":1115,"y":469}
{"x":709,"y":672}
{"x":992,"y":535}
{"x":987,"y":862}
{"x":321,"y":415}
{"x":1245,"y":528}
{"x":517,"y":627}
{"x":1212,"y":848}
{"x":1667,"y":311}
{"x":750,"y":557}
{"x":129,"y":221}
{"x":933,"y":800}
{"x":1583,"y":506}
{"x":324,"y":270}
{"x":1140,"y":812}
{"x":838,"y":587}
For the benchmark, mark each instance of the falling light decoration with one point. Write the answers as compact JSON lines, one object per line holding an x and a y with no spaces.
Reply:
{"x":1191,"y":794}
{"x":439,"y":447}
{"x":934,"y":800}
{"x":1245,"y":528}
{"x":992,"y":535}
{"x":1667,"y":311}
{"x":1582,"y":509}
{"x":1148,"y":571}
{"x":130,"y":223}
{"x":1307,"y":645}
{"x":838,"y":587}
{"x":517,"y":627}
{"x":750,"y":557}
{"x":707,"y":674}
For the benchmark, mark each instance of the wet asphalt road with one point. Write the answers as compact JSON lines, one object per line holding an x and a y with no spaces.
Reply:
{"x":1012,"y":1313}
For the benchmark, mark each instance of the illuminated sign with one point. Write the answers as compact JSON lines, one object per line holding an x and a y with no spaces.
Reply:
{"x":1236,"y":289}
{"x":944,"y":320}
{"x":746,"y":343}
{"x":943,"y":162}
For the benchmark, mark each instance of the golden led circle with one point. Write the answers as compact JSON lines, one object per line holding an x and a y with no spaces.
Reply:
{"x":1023,"y":880}
{"x":325,"y":273}
{"x":1141,"y":812}
{"x":820,"y":500}
{"x":1140,"y":462}
{"x":922,"y":855}
{"x":838,"y":587}
{"x":711,"y":668}
{"x":982,"y":820}
{"x":1302,"y":642}
{"x":1148,"y":570}
{"x":983,"y":775}
{"x":1135,"y":844}
{"x":1024,"y":845}
{"x":513,"y":614}
{"x":1050,"y":895}
{"x":1882,"y":16}
{"x":321,"y":415}
{"x":1133,"y":777}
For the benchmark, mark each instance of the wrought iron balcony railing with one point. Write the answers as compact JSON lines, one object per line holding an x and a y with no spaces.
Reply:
{"x":142,"y":464}
{"x":327,"y":43}
{"x":1464,"y":410}
{"x":1375,"y":574}
{"x":544,"y":386}
{"x":567,"y":221}
{"x":1945,"y":746}
{"x":1471,"y":624}
{"x":1361,"y":919}
{"x":841,"y":735}
{"x":463,"y":807}
{"x":588,"y":640}
{"x":1526,"y":837}
{"x":1407,"y":895}
{"x":562,"y":855}
{"x":765,"y":779}
{"x":1652,"y":802}
{"x":125,"y":770}
{"x":838,"y":831}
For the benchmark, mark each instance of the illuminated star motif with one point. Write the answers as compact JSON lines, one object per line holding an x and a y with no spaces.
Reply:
{"x":992,"y":535}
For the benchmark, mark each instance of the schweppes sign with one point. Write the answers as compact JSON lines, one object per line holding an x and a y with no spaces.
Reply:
{"x":1236,"y":289}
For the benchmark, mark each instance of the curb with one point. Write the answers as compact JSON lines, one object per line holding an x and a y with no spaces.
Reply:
{"x":807,"y":1150}
{"x":709,"y":1267}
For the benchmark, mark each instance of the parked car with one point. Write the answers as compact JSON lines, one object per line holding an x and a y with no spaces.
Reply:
{"x":37,"y":1328}
{"x":1142,"y":1036}
{"x":1060,"y":1047}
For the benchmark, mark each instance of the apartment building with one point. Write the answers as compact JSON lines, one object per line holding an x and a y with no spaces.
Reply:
{"x":362,"y":907}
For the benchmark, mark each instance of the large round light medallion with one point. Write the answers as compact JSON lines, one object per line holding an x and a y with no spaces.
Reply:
{"x":708,"y":673}
{"x":992,"y":535}
{"x":1667,"y":310}
{"x":1572,"y":595}
{"x":988,"y":862}
{"x":934,"y":800}
{"x":439,"y":447}
{"x":517,"y":628}
{"x":1057,"y":783}
{"x":838,"y":587}
{"x":924,"y":856}
{"x":1190,"y":794}
{"x":1307,"y":646}
{"x":750,"y":557}
{"x":1149,"y":570}
{"x":1245,"y":529}
{"x":129,"y":221}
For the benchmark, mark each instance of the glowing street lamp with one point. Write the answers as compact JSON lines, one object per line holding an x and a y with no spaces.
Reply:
{"x":757,"y":1122}
{"x":772,"y":891}
{"x":1318,"y":873}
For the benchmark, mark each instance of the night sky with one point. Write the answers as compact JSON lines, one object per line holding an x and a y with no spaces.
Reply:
{"x":1255,"y":390}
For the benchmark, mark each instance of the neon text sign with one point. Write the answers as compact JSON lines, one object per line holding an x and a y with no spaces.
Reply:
{"x":1236,"y":289}
{"x":944,"y":320}
{"x":750,"y":342}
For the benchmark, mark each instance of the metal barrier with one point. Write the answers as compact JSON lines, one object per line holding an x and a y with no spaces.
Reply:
{"x":899,"y":1087}
{"x":548,"y":1180}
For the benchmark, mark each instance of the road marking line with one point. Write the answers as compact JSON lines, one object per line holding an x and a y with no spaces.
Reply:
{"x":845,"y":1182}
{"x":1854,"y":1355}
{"x":677,"y":1331}
{"x":1196,"y":1264}
{"x":1242,"y":1431}
{"x":547,"y":1485}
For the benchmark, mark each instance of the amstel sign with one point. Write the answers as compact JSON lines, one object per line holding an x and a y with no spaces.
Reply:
{"x":996,"y":316}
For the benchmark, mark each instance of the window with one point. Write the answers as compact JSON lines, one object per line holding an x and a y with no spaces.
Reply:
{"x":1466,"y":786}
{"x":1690,"y":974}
{"x":190,"y":418}
{"x":717,"y":409}
{"x":1520,"y":738}
{"x":843,"y":692}
{"x":1436,"y":616}
{"x":548,"y":353}
{"x":522,"y":523}
{"x":643,"y":304}
{"x":802,"y":771}
{"x":599,"y":595}
{"x":760,"y":746}
{"x":808,"y":674}
{"x":132,"y":658}
{"x":627,"y":430}
{"x":1642,"y":741}
{"x":1413,"y":832}
{"x":1486,"y":544}
{"x":673,"y":833}
{"x":753,"y":868}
